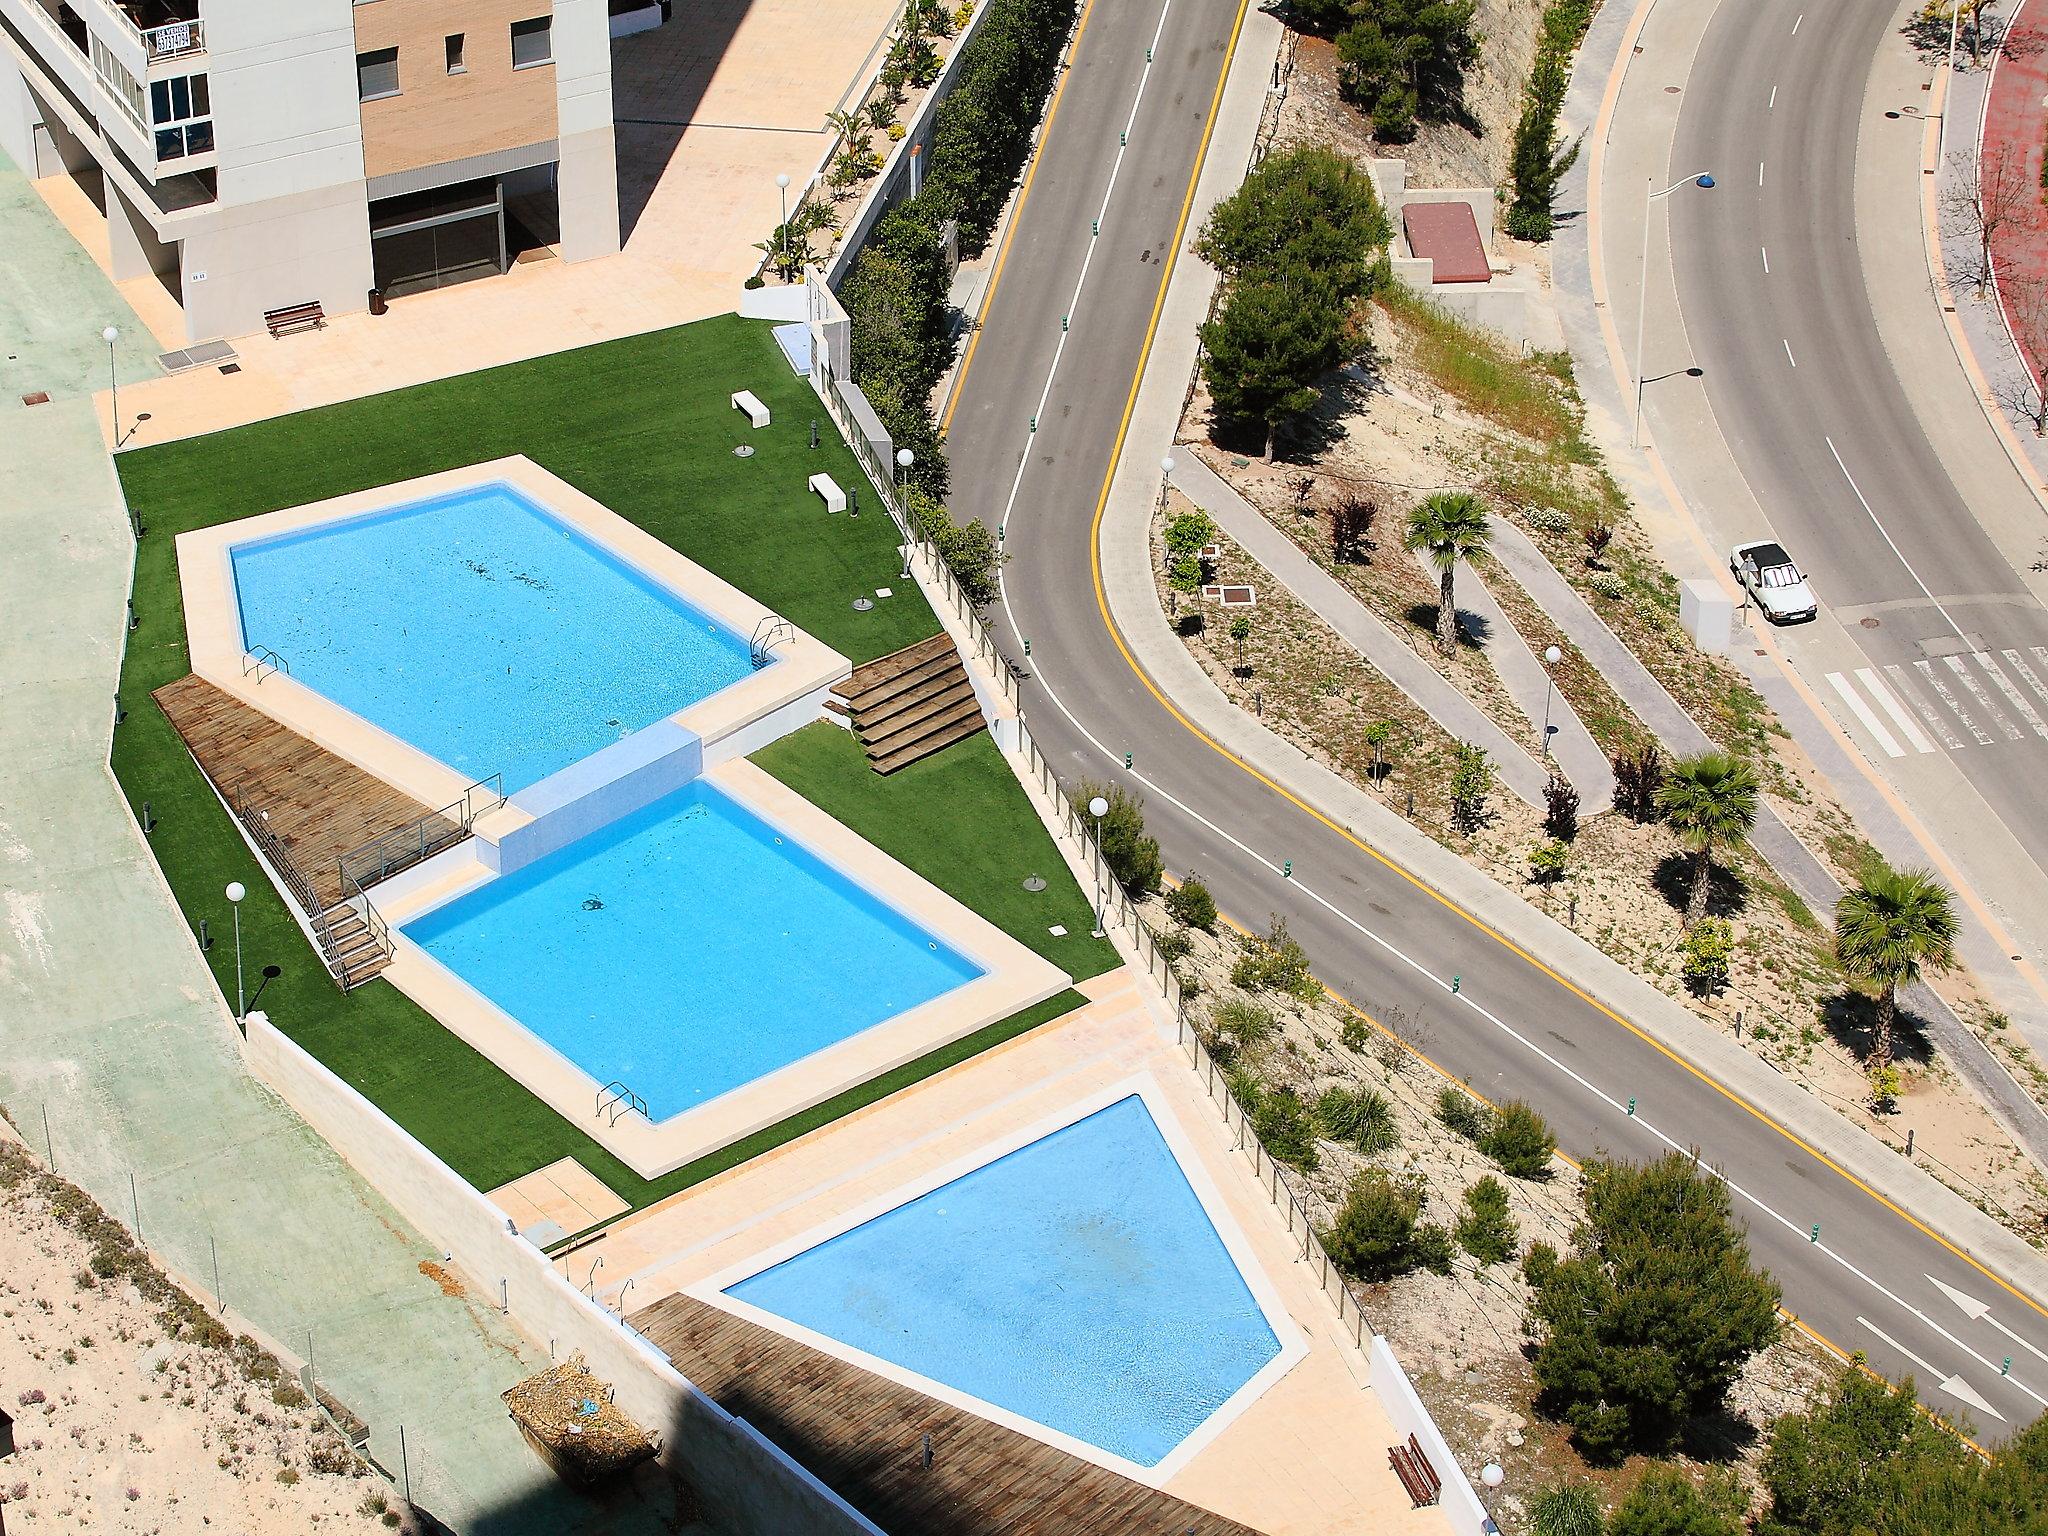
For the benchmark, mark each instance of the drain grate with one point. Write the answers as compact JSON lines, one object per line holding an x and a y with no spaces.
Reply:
{"x":195,"y":357}
{"x":40,"y":397}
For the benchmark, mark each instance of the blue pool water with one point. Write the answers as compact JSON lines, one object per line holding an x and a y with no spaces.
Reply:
{"x":481,"y":630}
{"x":687,"y":949}
{"x":1076,"y":1282}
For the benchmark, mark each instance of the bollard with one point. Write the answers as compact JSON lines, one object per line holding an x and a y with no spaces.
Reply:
{"x":1456,"y":983}
{"x":1123,"y":138}
{"x":925,"y":1455}
{"x":1909,"y":1143}
{"x":1411,"y":804}
{"x":133,"y":621}
{"x":1287,"y":869}
{"x":1063,"y":322}
{"x":2006,"y":1369}
{"x":853,"y":501}
{"x":814,"y":432}
{"x":1816,"y":1233}
{"x":1574,"y":918}
{"x":148,"y":821}
{"x":205,"y":938}
{"x":1127,"y":760}
{"x":120,"y":714}
{"x":1631,"y":1109}
{"x":1027,"y":646}
{"x":1034,"y":423}
{"x":1096,"y":229}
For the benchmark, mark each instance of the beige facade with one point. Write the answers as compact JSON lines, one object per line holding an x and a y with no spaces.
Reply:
{"x":459,"y":95}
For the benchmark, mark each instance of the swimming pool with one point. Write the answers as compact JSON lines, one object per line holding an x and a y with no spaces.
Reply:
{"x":1076,"y":1282}
{"x":481,"y":629}
{"x":687,"y":949}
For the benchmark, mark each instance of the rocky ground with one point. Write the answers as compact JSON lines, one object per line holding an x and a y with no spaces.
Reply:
{"x":1459,"y":1335}
{"x":134,"y":1411}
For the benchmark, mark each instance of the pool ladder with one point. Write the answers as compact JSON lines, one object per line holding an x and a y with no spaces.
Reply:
{"x":770,"y":629}
{"x":262,"y":660}
{"x":616,"y":1097}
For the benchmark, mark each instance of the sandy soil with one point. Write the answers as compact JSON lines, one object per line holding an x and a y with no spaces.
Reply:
{"x":1460,"y":1335}
{"x":137,"y":1413}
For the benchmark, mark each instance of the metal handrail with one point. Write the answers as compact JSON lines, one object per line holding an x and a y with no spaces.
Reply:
{"x":414,"y":841}
{"x":770,"y":628}
{"x":257,"y":657}
{"x":373,"y":920}
{"x":625,"y":1099}
{"x":495,"y":782}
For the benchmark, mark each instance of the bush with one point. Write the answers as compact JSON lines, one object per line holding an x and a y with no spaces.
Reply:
{"x":1560,"y":808}
{"x":1638,"y":779}
{"x":1190,"y":903}
{"x":1606,"y":584}
{"x":1461,"y":1112}
{"x":1433,"y":1250}
{"x":1548,"y":520}
{"x":1538,"y":1265}
{"x":1361,"y":1116}
{"x":1648,"y":1322}
{"x":1471,"y":783}
{"x":1242,"y":1020}
{"x":1173,"y":945}
{"x":1188,"y":532}
{"x":1355,"y":1033}
{"x":1245,"y":1087}
{"x":1373,"y":1237}
{"x":1520,"y":1140}
{"x":1569,"y":1509}
{"x":1284,"y":1129}
{"x":1485,"y":1228}
{"x":968,"y":548}
{"x":1667,"y":1503}
{"x":1132,"y":857}
{"x":1704,"y":955}
{"x":1548,"y":861}
{"x":1278,"y":963}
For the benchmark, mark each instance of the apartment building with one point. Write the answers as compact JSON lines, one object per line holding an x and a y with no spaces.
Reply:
{"x":255,"y":155}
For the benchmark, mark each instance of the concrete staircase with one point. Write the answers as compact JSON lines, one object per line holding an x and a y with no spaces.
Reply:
{"x":909,"y":704}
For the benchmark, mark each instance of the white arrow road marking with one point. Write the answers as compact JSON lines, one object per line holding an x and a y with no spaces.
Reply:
{"x":1980,"y":1312}
{"x":1892,"y":707}
{"x":1954,"y":1386}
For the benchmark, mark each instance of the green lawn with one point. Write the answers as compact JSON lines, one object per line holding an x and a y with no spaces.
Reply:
{"x":644,"y":425}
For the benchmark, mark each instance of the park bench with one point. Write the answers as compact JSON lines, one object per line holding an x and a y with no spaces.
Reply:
{"x":744,"y":400}
{"x":828,"y":488}
{"x":293,"y":316}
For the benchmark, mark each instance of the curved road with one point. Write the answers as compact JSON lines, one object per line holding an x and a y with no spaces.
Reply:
{"x":1514,"y":1029}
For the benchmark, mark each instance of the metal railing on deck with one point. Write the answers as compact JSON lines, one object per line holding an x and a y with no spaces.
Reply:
{"x":421,"y":838}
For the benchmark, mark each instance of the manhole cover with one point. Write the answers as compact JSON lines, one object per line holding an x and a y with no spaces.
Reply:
{"x":863,"y":604}
{"x":1670,"y":90}
{"x":1034,"y":882}
{"x":40,"y":397}
{"x":1869,"y":623}
{"x":744,"y":451}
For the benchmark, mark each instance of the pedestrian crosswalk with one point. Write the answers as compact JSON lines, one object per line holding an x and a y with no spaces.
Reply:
{"x":1986,"y":698}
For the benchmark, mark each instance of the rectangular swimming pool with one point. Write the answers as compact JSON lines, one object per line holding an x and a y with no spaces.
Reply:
{"x":686,"y":950}
{"x":1076,"y":1282}
{"x":482,"y":630}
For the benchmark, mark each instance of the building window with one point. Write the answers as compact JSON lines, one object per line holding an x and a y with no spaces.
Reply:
{"x":376,"y":74}
{"x":453,"y":44}
{"x":532,"y":42}
{"x":180,"y":113}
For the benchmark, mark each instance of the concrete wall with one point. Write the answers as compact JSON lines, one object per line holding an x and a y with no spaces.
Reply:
{"x":749,"y":1484}
{"x":241,"y":261}
{"x":595,"y":792}
{"x":283,"y":83}
{"x":1390,"y":1384}
{"x":587,"y":184}
{"x":436,"y":116}
{"x":19,"y":116}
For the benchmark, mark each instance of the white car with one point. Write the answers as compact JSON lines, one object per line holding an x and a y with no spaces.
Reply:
{"x":1770,"y":578}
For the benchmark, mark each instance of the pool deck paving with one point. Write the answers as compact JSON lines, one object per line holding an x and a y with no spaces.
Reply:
{"x":1308,"y":1454}
{"x":110,"y":1024}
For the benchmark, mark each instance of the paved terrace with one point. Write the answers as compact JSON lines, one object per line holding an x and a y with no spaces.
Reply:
{"x":709,"y":110}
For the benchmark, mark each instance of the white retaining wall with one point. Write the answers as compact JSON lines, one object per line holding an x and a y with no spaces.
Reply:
{"x":753,"y":1485}
{"x":1390,"y":1384}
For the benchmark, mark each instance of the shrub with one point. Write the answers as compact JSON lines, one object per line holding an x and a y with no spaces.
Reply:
{"x":1704,"y":955}
{"x":1606,"y":584}
{"x":1242,"y":1020}
{"x":1355,"y":1033}
{"x":968,"y":548}
{"x":1638,"y":779}
{"x":1548,"y":520}
{"x":1648,"y":1322}
{"x":1520,"y":1140}
{"x":1485,"y":1228}
{"x":1569,"y":1509}
{"x":1433,"y":1249}
{"x":1471,"y":783}
{"x":1245,"y":1087}
{"x":1886,"y":1084}
{"x":1275,"y":961}
{"x":1373,"y":1237}
{"x":1667,"y":1503}
{"x":1461,"y":1112}
{"x":1285,"y":1130}
{"x":1132,"y":857}
{"x":1191,"y":904}
{"x":1539,"y":1264}
{"x":1596,"y":536}
{"x":1560,"y":808}
{"x":1188,"y":532}
{"x":1172,"y":945}
{"x":1548,"y":861}
{"x":1361,"y":1116}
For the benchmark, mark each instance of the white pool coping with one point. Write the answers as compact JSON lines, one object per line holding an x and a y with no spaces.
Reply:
{"x":804,"y":667}
{"x":1013,"y":978}
{"x":1293,"y":1347}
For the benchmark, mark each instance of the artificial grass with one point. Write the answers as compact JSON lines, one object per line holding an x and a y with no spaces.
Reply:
{"x":960,"y":819}
{"x":645,"y":426}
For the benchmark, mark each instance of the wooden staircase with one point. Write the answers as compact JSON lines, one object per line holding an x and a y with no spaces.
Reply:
{"x":352,"y":949}
{"x":909,"y":704}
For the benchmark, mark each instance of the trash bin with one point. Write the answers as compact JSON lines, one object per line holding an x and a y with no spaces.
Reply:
{"x":377,"y":304}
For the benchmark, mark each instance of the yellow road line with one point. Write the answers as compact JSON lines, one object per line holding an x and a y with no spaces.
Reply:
{"x":1016,"y":217}
{"x":1138,"y":671}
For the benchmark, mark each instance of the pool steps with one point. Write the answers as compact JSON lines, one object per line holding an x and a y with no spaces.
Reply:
{"x":907,"y":705}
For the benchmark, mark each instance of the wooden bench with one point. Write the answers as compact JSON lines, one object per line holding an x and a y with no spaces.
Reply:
{"x":293,"y":316}
{"x":1417,"y":1476}
{"x":757,"y":413}
{"x":828,"y":488}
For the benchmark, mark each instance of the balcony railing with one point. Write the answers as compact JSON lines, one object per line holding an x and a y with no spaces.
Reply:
{"x":173,"y":40}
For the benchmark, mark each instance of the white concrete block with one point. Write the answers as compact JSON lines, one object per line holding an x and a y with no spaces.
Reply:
{"x":1708,"y":615}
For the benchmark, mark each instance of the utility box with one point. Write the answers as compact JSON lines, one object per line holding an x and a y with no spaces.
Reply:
{"x":1708,"y":614}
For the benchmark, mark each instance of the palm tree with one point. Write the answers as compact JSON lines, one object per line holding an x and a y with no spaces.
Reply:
{"x":1710,"y":801}
{"x":1894,"y":922}
{"x":1447,"y":527}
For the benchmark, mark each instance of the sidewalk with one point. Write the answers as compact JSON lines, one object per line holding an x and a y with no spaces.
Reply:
{"x":109,"y":1022}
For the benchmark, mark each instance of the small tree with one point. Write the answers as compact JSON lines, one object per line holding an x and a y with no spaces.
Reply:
{"x":1351,"y":520}
{"x":1548,"y":862}
{"x":1401,"y":60}
{"x":1652,"y":1317}
{"x":1373,"y":1237}
{"x":1638,"y":780}
{"x":1133,"y":857}
{"x":1539,"y":159}
{"x":1471,"y":783}
{"x":1520,"y":1140}
{"x":1377,"y":735}
{"x":2025,"y":298}
{"x":1191,"y":904}
{"x":1894,"y":923}
{"x":1184,"y":575}
{"x":1485,"y":1228}
{"x":1306,"y":217}
{"x":1705,"y":956}
{"x":1710,"y":799}
{"x":1448,"y":527}
{"x":1840,"y":1467}
{"x":1240,"y":631}
{"x":1989,"y":194}
{"x":1596,"y":536}
{"x":1560,"y":807}
{"x":1667,"y":1503}
{"x":1188,"y":533}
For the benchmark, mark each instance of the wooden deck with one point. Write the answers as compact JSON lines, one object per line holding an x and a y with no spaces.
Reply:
{"x":318,"y":805}
{"x":863,"y":1437}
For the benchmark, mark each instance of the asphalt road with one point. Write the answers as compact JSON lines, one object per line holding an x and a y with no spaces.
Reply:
{"x":1806,"y":395}
{"x":1513,"y":1030}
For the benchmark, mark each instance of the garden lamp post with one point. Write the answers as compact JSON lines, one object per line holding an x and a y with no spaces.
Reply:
{"x":1551,"y":657}
{"x":1703,"y":180}
{"x":111,"y":335}
{"x":1165,"y":478}
{"x":782,"y":229}
{"x":904,"y":459}
{"x":1099,"y":808}
{"x":1490,"y":1478}
{"x":235,"y":892}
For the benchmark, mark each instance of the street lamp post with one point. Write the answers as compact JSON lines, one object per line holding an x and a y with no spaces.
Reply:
{"x":904,"y":459}
{"x":235,"y":893}
{"x":782,"y":229}
{"x":111,"y":335}
{"x":1099,"y":808}
{"x":1490,"y":1478}
{"x":1703,"y":180}
{"x":1165,"y":478}
{"x":1551,"y":657}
